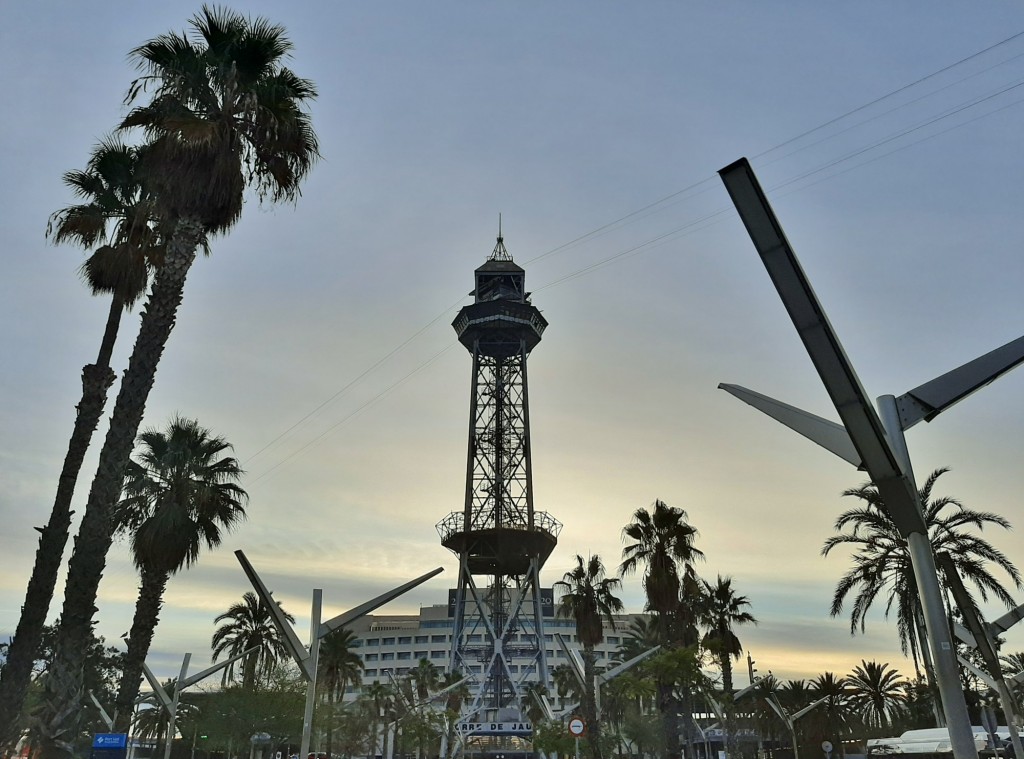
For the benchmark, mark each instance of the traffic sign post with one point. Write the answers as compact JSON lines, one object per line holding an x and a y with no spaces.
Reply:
{"x":577,"y":727}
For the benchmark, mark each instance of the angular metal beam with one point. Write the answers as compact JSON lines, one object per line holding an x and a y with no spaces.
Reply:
{"x":362,"y":610}
{"x":574,"y":660}
{"x":291,"y":641}
{"x":829,"y":435}
{"x":881,"y":448}
{"x":620,"y":668}
{"x":932,"y":398}
{"x":822,"y":344}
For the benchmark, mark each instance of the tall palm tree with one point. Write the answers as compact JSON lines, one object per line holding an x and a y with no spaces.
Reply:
{"x":243,"y":626}
{"x":881,"y":559}
{"x":877,"y":692}
{"x":337,"y":667}
{"x":588,"y":597}
{"x":225,"y":113}
{"x":117,"y":216}
{"x":663,"y":544}
{"x":722,"y":611}
{"x":180,"y":494}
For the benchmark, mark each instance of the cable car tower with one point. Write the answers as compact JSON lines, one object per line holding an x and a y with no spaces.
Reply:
{"x":500,"y":540}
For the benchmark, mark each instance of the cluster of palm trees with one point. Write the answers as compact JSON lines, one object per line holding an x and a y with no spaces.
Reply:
{"x":695,"y":621}
{"x":692,"y":620}
{"x":410,"y":713}
{"x":215,"y":114}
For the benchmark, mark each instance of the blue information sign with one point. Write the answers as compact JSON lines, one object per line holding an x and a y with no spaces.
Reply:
{"x":110,"y":740}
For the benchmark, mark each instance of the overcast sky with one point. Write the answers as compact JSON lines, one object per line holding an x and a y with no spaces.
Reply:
{"x":316,"y":337}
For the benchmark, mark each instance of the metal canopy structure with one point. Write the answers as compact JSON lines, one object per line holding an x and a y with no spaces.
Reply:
{"x":169,"y":702}
{"x":497,"y":535}
{"x":872,"y":441}
{"x":306,"y":658}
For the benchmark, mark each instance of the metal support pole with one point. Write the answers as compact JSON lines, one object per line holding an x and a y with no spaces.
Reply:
{"x":936,"y":619}
{"x":314,"y":654}
{"x":947,"y":673}
{"x":174,"y":707}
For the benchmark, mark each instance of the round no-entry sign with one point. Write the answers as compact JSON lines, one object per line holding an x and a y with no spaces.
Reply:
{"x":577,"y":726}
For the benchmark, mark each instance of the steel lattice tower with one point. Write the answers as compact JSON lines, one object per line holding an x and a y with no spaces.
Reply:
{"x":498,"y":536}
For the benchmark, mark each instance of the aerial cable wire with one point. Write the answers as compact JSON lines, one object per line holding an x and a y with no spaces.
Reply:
{"x":700,"y":223}
{"x":650,"y":206}
{"x":892,"y":110}
{"x":359,"y":409}
{"x":888,"y":153}
{"x":352,"y":382}
{"x":895,"y":92}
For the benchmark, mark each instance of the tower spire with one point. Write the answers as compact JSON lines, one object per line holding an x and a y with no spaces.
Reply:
{"x":499,"y":253}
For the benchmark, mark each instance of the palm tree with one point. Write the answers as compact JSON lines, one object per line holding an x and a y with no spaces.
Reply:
{"x":877,"y":693}
{"x":588,"y":597}
{"x":337,"y":667}
{"x":663,"y":543}
{"x":180,"y":494}
{"x":113,"y":202}
{"x":881,"y":559}
{"x":723,"y":610}
{"x":225,"y":113}
{"x":248,"y":625}
{"x":425,"y":677}
{"x":380,"y":697}
{"x":832,"y":718}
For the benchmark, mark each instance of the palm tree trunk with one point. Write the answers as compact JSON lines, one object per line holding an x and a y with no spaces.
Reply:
{"x":63,"y":685}
{"x":590,"y":701}
{"x":147,"y":614}
{"x":17,"y":672}
{"x":668,"y":706}
{"x":732,"y":744}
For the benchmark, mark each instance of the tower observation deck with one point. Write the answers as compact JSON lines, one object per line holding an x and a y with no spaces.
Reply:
{"x":501,"y":541}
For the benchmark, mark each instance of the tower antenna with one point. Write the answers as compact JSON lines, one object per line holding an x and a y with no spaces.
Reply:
{"x":500,"y":253}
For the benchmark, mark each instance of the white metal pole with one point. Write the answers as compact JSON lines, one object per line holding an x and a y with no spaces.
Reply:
{"x":314,"y":653}
{"x":174,"y":706}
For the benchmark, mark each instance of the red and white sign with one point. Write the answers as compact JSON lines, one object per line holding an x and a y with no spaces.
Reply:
{"x":577,"y":726}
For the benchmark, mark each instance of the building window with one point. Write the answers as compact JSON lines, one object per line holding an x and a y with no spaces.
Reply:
{"x":421,"y":639}
{"x":388,"y":656}
{"x":549,"y":638}
{"x":405,"y":654}
{"x":473,"y":638}
{"x":402,"y":671}
{"x":437,"y":654}
{"x":371,"y":657}
{"x":404,"y":641}
{"x":387,"y":641}
{"x":421,"y":655}
{"x":369,"y":673}
{"x":438,"y":638}
{"x":373,"y":641}
{"x":613,"y":640}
